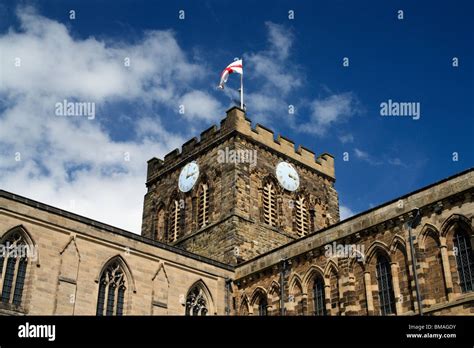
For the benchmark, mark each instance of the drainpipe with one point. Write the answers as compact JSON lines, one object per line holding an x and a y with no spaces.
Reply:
{"x":228,"y":284}
{"x":412,"y":223}
{"x":282,"y":286}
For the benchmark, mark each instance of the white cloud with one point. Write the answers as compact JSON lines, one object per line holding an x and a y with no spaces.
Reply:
{"x":275,"y":74}
{"x":361,"y":154}
{"x":345,"y":212}
{"x":366,"y":157}
{"x":280,"y":39}
{"x":325,"y":112}
{"x":200,"y":106}
{"x":346,"y":138}
{"x":76,"y":163}
{"x":396,"y":162}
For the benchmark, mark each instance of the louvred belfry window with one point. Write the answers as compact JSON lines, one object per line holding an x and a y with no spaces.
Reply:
{"x":174,"y":221}
{"x":203,"y":206}
{"x":269,"y":205}
{"x":301,"y":216}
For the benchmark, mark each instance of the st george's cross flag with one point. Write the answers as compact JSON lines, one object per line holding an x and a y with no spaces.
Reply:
{"x":234,"y":67}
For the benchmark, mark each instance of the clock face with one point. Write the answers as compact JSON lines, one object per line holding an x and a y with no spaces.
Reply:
{"x":188,"y":177}
{"x":287,"y":176}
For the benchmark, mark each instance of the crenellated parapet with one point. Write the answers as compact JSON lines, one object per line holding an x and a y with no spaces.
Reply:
{"x":237,"y":122}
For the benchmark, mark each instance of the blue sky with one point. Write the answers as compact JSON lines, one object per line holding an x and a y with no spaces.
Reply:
{"x":79,"y":164}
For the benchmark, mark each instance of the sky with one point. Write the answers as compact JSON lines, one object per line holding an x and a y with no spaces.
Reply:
{"x":139,"y":62}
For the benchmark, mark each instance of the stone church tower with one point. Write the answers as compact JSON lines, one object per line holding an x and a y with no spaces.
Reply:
{"x":238,"y":192}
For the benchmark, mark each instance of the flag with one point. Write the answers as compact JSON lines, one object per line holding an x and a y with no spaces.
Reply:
{"x":234,"y":67}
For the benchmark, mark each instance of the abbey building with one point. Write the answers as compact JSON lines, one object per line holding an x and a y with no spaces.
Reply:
{"x":240,"y":222}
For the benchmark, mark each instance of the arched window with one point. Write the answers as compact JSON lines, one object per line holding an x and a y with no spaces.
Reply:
{"x":112,"y":287}
{"x":319,"y":299}
{"x":464,"y":261}
{"x":160,"y":223}
{"x":269,"y":204}
{"x":203,"y":206}
{"x":384,"y":282}
{"x":13,"y":265}
{"x":262,"y":306}
{"x":301,"y":216}
{"x":174,"y":221}
{"x":196,"y":303}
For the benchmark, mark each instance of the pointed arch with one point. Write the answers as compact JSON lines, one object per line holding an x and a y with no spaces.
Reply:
{"x":203,"y":196}
{"x":259,"y":301}
{"x":375,"y":248}
{"x":244,"y":308}
{"x":301,"y":214}
{"x":175,"y":217}
{"x":20,"y":252}
{"x":199,"y":301}
{"x":256,"y":294}
{"x":72,"y":240}
{"x":28,"y":240}
{"x":274,"y":289}
{"x":332,"y":288}
{"x":331,"y":265}
{"x":401,"y":273}
{"x":426,"y":231}
{"x":269,"y":201}
{"x":159,"y":224}
{"x":115,"y":282}
{"x":457,"y":232}
{"x":398,"y":242}
{"x":296,"y":284}
{"x":456,"y":220}
{"x":358,"y":260}
{"x":126,"y":268}
{"x":310,"y":274}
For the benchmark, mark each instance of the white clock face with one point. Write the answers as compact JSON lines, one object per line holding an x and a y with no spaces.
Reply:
{"x":188,"y":177}
{"x":287,"y":176}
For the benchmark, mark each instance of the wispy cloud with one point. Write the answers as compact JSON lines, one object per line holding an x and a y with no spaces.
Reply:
{"x":346,"y":138}
{"x":80,"y":164}
{"x":345,"y":212}
{"x":325,"y":112}
{"x":370,"y":159}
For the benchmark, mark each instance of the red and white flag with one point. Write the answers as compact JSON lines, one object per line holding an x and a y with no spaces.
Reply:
{"x":234,"y":67}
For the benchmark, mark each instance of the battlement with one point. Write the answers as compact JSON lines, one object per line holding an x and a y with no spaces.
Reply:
{"x":235,"y":121}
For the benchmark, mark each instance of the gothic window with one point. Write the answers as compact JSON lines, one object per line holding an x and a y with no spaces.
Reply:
{"x":319,"y":298}
{"x":112,"y":287}
{"x":269,"y":205}
{"x":203,"y":206}
{"x":196,"y":303}
{"x":13,"y":265}
{"x":174,"y":221}
{"x":301,"y":216}
{"x":464,"y":260}
{"x":384,"y":282}
{"x":263,"y":306}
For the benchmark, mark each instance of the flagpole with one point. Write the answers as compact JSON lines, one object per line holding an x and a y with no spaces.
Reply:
{"x":242,"y":86}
